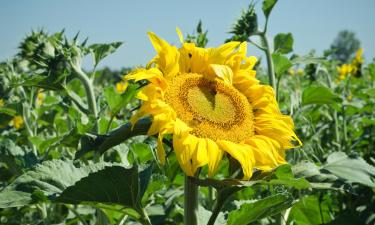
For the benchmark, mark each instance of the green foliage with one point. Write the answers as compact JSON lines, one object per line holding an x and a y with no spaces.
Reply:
{"x":246,"y":25}
{"x":283,"y":43}
{"x":319,"y":95}
{"x":200,"y":38}
{"x":77,"y":159}
{"x":250,"y":212}
{"x":268,"y":6}
{"x":100,"y":51}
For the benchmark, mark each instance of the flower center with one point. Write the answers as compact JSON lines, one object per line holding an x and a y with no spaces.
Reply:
{"x":212,"y":108}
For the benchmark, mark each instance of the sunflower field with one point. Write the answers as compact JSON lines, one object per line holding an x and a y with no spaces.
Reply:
{"x":199,"y":135}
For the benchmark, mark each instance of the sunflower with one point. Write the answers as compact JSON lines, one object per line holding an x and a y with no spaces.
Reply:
{"x":210,"y":102}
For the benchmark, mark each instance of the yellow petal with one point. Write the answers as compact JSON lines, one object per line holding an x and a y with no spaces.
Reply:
{"x":200,"y":156}
{"x":215,"y":155}
{"x":223,"y":72}
{"x":242,"y":153}
{"x":180,"y":36}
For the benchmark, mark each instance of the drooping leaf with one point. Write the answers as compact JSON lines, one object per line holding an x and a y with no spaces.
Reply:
{"x":100,"y":51}
{"x":353,"y":170}
{"x":319,"y":95}
{"x":268,"y":6}
{"x":112,"y":185}
{"x":250,"y":212}
{"x":283,"y":43}
{"x":49,"y":178}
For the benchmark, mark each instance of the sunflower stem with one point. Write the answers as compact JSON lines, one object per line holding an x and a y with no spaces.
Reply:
{"x":270,"y":66}
{"x":89,"y":89}
{"x":191,"y":202}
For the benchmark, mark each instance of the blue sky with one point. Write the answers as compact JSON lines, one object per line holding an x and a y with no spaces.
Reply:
{"x":314,"y":24}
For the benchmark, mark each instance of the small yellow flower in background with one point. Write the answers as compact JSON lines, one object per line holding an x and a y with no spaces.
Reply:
{"x":344,"y":70}
{"x":358,"y":56}
{"x":300,"y":72}
{"x":291,"y":72}
{"x":40,"y":98}
{"x":17,"y":122}
{"x":357,"y":63}
{"x":1,"y":102}
{"x":349,"y":98}
{"x":121,"y":87}
{"x":211,"y":103}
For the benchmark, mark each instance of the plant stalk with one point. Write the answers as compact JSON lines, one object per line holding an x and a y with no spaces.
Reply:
{"x":191,"y":202}
{"x":270,"y":65}
{"x":91,"y":101}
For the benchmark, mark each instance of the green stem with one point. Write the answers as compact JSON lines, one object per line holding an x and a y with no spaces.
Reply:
{"x":215,"y":212}
{"x":191,"y":202}
{"x":145,"y":220}
{"x":270,"y":66}
{"x":89,"y":88}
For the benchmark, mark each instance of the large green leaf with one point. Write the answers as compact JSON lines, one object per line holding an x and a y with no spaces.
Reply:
{"x":112,"y":185}
{"x":268,"y":6}
{"x":353,"y":170}
{"x":319,"y":95}
{"x":100,"y":51}
{"x":49,"y":178}
{"x":250,"y":212}
{"x":10,"y":198}
{"x":283,"y":43}
{"x":309,"y":211}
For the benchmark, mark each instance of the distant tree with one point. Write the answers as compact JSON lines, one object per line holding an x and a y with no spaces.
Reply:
{"x":344,"y":46}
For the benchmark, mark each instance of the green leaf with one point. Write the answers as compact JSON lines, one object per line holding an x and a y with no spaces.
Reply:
{"x":353,"y":170}
{"x":285,"y":177}
{"x":282,"y":63}
{"x":250,"y":212}
{"x":307,"y":212}
{"x":268,"y":6}
{"x":8,"y":111}
{"x":117,"y":101}
{"x":283,"y":43}
{"x":319,"y":95}
{"x":100,"y":51}
{"x":49,"y":178}
{"x":10,"y":198}
{"x":113,"y":185}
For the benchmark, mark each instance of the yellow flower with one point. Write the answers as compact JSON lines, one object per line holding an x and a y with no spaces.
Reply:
{"x":40,"y":98}
{"x":213,"y":106}
{"x":1,"y":102}
{"x":291,"y":71}
{"x":357,"y":63}
{"x":121,"y":87}
{"x":349,"y":98}
{"x":17,"y":122}
{"x":358,"y":56}
{"x":300,"y":72}
{"x":344,"y":70}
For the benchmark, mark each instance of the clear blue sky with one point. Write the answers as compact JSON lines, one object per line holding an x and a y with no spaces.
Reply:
{"x":314,"y":24}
